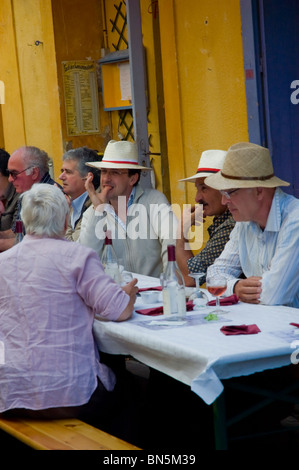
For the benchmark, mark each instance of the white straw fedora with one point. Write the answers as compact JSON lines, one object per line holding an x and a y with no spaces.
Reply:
{"x":119,"y":154}
{"x":211,"y":161}
{"x":246,"y":165}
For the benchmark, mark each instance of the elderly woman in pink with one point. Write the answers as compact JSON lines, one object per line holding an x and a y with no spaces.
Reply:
{"x":51,"y":291}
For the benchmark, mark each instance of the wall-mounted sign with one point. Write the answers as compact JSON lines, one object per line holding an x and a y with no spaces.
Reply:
{"x":81,"y":97}
{"x":116,"y":80}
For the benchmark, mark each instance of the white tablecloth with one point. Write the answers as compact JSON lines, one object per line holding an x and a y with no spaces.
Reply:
{"x":198,"y":353}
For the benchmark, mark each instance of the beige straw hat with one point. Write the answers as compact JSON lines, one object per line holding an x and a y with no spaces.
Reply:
{"x":119,"y":154}
{"x":211,"y":161}
{"x":246,"y":165}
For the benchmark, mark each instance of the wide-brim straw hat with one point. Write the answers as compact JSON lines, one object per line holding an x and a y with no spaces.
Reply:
{"x":119,"y":154}
{"x":211,"y":161}
{"x":246,"y":165}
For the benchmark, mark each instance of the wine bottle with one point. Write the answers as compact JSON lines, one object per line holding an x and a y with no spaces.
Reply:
{"x":109,"y":259}
{"x":19,"y":231}
{"x":173,"y":288}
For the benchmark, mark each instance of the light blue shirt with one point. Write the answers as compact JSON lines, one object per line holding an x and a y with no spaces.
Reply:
{"x":272,"y":253}
{"x":77,"y":205}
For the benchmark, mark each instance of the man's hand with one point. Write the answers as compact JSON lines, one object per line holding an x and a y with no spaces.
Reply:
{"x":249,"y":290}
{"x":190,"y":217}
{"x":96,"y":198}
{"x":2,"y":208}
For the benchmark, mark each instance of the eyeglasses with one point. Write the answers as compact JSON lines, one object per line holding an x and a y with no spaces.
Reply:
{"x":14,"y":174}
{"x":228,"y":194}
{"x":105,"y":172}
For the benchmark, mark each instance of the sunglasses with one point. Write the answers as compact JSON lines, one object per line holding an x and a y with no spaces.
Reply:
{"x":228,"y":194}
{"x":14,"y":174}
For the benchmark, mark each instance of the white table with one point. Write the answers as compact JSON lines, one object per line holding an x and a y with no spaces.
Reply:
{"x":198,"y":353}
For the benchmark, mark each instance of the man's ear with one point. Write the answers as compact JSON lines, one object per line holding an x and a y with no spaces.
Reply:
{"x":259,"y":192}
{"x":134,"y":179}
{"x":35,"y":174}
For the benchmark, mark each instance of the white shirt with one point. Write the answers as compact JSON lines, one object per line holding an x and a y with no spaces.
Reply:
{"x":272,"y":254}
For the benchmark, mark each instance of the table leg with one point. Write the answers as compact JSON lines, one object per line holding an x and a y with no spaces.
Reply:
{"x":220,"y":428}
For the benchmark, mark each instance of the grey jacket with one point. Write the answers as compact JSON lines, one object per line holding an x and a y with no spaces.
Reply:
{"x":140,"y":245}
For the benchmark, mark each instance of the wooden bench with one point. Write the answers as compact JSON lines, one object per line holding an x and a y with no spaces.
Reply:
{"x":64,"y":434}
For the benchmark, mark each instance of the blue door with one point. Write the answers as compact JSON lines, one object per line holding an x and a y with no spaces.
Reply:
{"x":276,"y":49}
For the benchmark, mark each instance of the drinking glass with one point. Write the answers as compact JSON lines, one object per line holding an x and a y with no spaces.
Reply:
{"x":216,"y":285}
{"x":126,"y":277}
{"x":198,"y":294}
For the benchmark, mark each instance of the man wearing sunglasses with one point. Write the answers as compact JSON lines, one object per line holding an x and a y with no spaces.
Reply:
{"x":26,"y":166}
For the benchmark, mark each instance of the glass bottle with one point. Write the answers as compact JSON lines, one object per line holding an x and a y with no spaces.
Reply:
{"x":173,"y":288}
{"x":19,"y":231}
{"x":109,"y":259}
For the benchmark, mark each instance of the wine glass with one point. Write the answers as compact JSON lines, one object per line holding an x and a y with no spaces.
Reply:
{"x":198,"y":294}
{"x":216,"y":285}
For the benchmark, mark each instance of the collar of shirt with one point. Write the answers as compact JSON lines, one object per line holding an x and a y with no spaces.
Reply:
{"x":218,"y":220}
{"x":46,"y":178}
{"x":274,"y":218}
{"x":77,"y":205}
{"x":110,"y":209}
{"x":131,"y":198}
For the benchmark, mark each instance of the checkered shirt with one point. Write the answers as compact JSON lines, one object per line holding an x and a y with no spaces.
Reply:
{"x":219,"y":232}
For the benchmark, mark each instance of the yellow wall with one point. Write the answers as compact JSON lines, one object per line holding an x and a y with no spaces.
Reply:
{"x":78,"y":30}
{"x":31,"y":112}
{"x":204,"y":87}
{"x":13,"y":131}
{"x":197,"y":84}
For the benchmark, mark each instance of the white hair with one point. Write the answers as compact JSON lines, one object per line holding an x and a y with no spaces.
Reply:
{"x":44,"y":211}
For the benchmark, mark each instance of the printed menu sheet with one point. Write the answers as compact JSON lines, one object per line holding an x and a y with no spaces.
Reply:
{"x":81,"y":97}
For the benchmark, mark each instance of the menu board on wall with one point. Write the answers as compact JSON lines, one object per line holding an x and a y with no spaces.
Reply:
{"x":81,"y":97}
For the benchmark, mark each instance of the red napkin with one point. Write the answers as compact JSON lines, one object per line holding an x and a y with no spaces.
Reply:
{"x":159,"y":310}
{"x":231,"y":300}
{"x":240,"y":330}
{"x":150,"y":288}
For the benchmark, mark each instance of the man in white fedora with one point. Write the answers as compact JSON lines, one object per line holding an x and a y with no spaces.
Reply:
{"x":264,"y":245}
{"x":211,"y":162}
{"x":141,"y":220}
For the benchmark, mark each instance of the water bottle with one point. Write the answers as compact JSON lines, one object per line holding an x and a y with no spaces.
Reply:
{"x":109,"y":259}
{"x":173,"y":288}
